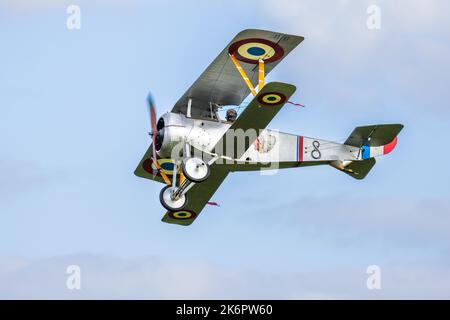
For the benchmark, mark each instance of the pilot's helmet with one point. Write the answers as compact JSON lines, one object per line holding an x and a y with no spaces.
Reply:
{"x":231,"y":115}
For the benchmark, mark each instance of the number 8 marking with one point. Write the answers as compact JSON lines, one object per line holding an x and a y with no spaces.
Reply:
{"x":316,"y":153}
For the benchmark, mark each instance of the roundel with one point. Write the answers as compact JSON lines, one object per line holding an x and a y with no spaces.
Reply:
{"x":167,"y":165}
{"x":182,"y":215}
{"x":251,"y":50}
{"x":272,"y":99}
{"x":147,"y":165}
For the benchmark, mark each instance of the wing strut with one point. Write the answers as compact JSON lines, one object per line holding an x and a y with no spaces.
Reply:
{"x":260,"y":74}
{"x":243,"y":75}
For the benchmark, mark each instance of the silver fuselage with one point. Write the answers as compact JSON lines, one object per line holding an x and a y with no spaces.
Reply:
{"x":267,"y":146}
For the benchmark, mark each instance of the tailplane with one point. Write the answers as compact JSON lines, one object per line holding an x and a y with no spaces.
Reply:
{"x":372,"y":141}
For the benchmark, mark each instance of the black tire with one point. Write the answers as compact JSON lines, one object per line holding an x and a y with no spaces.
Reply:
{"x":183,"y":169}
{"x":166,"y":206}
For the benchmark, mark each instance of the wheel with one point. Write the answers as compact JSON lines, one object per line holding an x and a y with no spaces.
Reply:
{"x":195,"y":169}
{"x":165,"y":196}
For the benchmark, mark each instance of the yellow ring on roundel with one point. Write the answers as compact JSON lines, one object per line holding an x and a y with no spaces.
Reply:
{"x":164,"y":163}
{"x":182,"y":214}
{"x":267,"y":51}
{"x":271,"y":99}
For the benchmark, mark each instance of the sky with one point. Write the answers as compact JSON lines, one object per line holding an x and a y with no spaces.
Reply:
{"x":73,"y":127}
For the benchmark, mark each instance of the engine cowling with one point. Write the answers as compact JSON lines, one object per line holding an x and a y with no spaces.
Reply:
{"x":171,"y":135}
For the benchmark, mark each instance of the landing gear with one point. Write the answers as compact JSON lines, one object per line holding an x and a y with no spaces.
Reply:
{"x":170,"y":200}
{"x":195,"y":169}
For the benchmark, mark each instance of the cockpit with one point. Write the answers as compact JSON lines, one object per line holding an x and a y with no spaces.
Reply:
{"x":210,"y":111}
{"x":230,"y":113}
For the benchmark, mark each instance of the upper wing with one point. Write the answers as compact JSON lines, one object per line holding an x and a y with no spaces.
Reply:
{"x":221,"y":83}
{"x":256,"y":116}
{"x":198,"y":196}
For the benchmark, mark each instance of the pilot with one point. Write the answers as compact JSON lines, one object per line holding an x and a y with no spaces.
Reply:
{"x":231,"y":115}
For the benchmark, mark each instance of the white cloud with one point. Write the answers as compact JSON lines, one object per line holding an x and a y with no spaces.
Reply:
{"x":153,"y":278}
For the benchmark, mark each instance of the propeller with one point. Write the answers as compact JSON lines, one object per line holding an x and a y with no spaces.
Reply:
{"x":154,"y":133}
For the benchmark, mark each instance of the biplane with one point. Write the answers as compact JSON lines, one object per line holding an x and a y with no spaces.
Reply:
{"x":193,"y":149}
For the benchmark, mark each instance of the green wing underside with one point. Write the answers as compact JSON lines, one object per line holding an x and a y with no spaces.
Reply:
{"x":198,"y":197}
{"x":144,"y":169}
{"x":257,"y":115}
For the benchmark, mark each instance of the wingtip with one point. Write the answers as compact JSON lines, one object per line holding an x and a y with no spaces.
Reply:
{"x":253,"y":30}
{"x":183,"y":223}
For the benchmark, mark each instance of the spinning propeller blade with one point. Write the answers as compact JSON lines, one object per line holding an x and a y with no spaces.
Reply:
{"x":154,"y":130}
{"x":154,"y":134}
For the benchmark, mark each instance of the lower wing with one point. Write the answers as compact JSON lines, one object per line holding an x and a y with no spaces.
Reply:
{"x":146,"y":168}
{"x":198,"y":196}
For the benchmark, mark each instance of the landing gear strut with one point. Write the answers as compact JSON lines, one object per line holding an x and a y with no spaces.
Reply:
{"x":193,"y":170}
{"x":170,"y":201}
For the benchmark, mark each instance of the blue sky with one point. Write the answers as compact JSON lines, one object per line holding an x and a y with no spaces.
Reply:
{"x":74,"y":127}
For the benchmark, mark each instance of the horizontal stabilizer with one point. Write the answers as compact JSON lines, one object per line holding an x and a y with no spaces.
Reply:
{"x":356,"y":169}
{"x":373,"y":136}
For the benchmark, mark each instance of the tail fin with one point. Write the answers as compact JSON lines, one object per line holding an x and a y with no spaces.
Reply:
{"x":373,"y":141}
